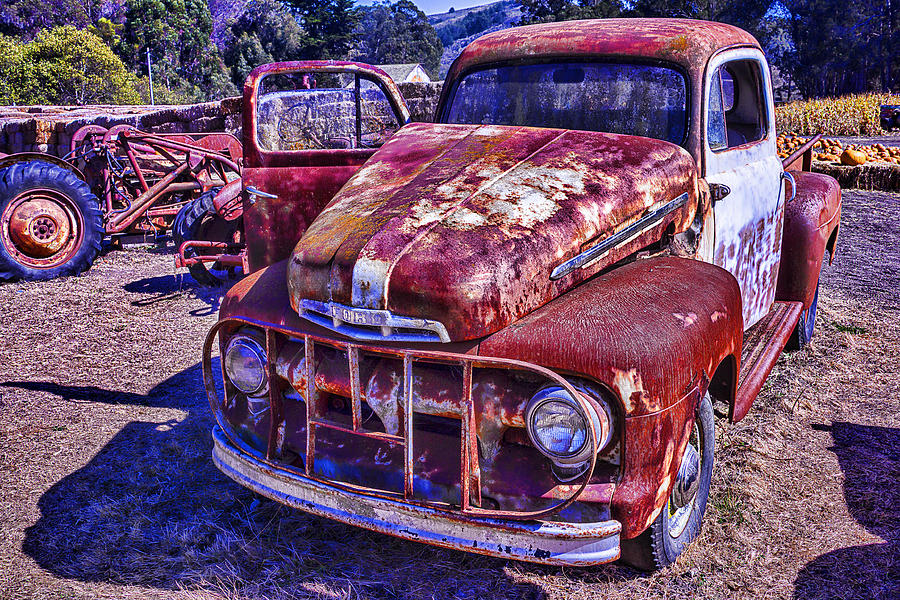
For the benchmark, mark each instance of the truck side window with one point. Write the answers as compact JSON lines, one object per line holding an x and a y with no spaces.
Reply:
{"x":736,"y":94}
{"x":715,"y":133}
{"x":322,"y":111}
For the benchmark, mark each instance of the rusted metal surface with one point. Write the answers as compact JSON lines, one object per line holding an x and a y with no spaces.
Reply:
{"x":304,"y":181}
{"x":135,"y":172}
{"x":646,"y":330}
{"x":801,"y":158}
{"x":303,"y":354}
{"x":762,"y":347}
{"x":464,"y":224}
{"x":685,"y":43}
{"x":42,"y":227}
{"x":545,"y":542}
{"x":654,"y":445}
{"x":811,"y":224}
{"x":507,"y":236}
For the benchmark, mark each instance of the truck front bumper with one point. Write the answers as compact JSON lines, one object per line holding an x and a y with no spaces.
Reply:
{"x":546,"y":542}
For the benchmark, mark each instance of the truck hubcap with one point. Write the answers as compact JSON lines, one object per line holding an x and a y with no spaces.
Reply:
{"x":687,"y":483}
{"x":41,"y":228}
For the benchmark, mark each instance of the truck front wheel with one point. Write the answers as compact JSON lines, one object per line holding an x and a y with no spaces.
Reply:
{"x":678,"y":523}
{"x":50,"y":222}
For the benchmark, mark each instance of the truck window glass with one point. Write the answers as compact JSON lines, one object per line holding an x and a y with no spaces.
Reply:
{"x":316,"y":111}
{"x":742,"y":102}
{"x":634,"y":99}
{"x":715,"y":130}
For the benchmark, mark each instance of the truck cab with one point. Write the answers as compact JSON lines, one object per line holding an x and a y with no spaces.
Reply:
{"x":504,"y":331}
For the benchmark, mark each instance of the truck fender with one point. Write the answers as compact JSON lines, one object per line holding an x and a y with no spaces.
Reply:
{"x":227,"y":200}
{"x":811,"y":223}
{"x":20,"y":157}
{"x":654,"y":333}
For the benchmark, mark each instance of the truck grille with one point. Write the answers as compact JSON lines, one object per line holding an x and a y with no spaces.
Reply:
{"x":326,"y":393}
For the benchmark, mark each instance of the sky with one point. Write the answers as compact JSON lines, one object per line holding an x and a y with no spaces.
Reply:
{"x":432,"y":7}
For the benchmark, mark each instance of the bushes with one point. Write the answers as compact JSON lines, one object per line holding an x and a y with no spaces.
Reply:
{"x":63,"y":65}
{"x":848,"y":115}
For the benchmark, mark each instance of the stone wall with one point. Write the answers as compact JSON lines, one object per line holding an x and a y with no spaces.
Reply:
{"x":421,"y":98}
{"x":50,"y":128}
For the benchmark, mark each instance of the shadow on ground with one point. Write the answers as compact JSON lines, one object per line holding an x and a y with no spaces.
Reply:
{"x":870,"y":459}
{"x":166,"y":287}
{"x":150,"y":509}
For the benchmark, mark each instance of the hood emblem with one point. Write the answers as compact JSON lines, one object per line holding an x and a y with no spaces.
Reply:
{"x":624,"y":235}
{"x":371,"y":325}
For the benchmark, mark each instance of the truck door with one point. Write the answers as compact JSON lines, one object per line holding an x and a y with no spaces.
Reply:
{"x":307,"y":128}
{"x":745,"y":176}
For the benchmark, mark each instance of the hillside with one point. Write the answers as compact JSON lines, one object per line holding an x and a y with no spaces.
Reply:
{"x":456,"y":29}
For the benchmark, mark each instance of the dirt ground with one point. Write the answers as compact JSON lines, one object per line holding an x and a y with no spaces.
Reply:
{"x":108,"y":490}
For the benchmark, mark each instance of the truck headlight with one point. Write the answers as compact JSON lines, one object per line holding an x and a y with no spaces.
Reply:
{"x":559,"y":428}
{"x":245,"y":365}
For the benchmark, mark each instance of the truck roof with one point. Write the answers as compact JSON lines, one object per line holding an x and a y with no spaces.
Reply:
{"x":686,"y":42}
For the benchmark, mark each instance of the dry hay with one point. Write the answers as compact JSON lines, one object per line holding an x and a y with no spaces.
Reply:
{"x":109,"y":491}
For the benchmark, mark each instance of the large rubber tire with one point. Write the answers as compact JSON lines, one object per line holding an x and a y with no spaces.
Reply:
{"x":803,"y":332}
{"x":50,"y":222}
{"x":674,"y":529}
{"x":197,"y":220}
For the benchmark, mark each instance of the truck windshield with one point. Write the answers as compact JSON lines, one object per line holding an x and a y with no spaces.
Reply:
{"x":634,"y":99}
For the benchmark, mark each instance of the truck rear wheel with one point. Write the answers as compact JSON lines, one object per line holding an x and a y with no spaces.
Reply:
{"x":50,"y":222}
{"x":678,"y":523}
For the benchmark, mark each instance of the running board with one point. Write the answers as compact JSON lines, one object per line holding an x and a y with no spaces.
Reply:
{"x":763,"y":344}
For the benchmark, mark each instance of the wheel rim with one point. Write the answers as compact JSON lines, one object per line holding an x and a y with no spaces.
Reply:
{"x":41,"y":228}
{"x":683,"y":499}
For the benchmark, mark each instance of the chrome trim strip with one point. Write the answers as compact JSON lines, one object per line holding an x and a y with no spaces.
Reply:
{"x":546,"y":542}
{"x":352,"y":322}
{"x":620,"y":237}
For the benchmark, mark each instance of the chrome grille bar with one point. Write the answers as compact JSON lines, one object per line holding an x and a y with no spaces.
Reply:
{"x":469,"y":476}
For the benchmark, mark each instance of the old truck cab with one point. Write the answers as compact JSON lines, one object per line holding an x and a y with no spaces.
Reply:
{"x":504,"y":332}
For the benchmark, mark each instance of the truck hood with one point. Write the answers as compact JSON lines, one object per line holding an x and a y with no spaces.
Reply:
{"x":464,"y":224}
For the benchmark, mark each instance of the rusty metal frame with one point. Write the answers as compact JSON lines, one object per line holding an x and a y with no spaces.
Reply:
{"x":469,"y":476}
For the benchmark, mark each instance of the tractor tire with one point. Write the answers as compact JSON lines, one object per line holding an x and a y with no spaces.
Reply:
{"x":51,"y":224}
{"x":198,"y":220}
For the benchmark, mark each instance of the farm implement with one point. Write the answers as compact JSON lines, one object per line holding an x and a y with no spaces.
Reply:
{"x":55,"y":212}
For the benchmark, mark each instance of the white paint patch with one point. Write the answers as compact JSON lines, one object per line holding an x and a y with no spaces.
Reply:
{"x":628,"y":383}
{"x":369,"y":278}
{"x":686,"y":320}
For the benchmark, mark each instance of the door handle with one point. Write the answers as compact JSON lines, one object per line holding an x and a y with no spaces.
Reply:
{"x":254,"y":193}
{"x":718,"y":191}
{"x":787,"y":175}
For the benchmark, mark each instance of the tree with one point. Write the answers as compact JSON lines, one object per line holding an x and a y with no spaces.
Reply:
{"x":545,"y":11}
{"x":63,"y":65}
{"x":25,"y":18}
{"x":177,"y":34}
{"x":397,"y":33}
{"x":844,"y":47}
{"x":746,"y":14}
{"x":264,"y":32}
{"x":328,"y":26}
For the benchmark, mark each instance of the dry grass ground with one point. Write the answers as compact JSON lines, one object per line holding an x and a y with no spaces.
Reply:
{"x":108,"y":490}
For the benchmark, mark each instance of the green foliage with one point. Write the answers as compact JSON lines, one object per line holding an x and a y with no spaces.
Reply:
{"x":328,"y":25}
{"x":397,"y":33}
{"x":265,"y":32}
{"x":63,"y":66}
{"x":474,"y":22}
{"x":26,"y":18}
{"x":107,"y":31}
{"x":177,"y":33}
{"x":545,"y":11}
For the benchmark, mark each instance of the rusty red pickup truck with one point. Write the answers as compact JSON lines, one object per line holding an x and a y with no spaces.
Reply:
{"x":505,"y":331}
